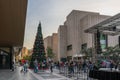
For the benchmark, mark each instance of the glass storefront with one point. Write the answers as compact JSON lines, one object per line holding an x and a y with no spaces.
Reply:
{"x":4,"y":58}
{"x":103,"y":41}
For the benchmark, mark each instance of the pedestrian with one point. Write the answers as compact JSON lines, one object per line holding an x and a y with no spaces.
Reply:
{"x":84,"y":66}
{"x":90,"y":65}
{"x":25,"y":66}
{"x":71,"y":67}
{"x":35,"y":66}
{"x":43,"y":66}
{"x":51,"y":66}
{"x":13,"y":65}
{"x":58,"y":65}
{"x":111,"y":65}
{"x":116,"y":66}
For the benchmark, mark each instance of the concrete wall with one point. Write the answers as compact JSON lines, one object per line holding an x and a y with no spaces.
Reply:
{"x":72,"y":32}
{"x":55,"y":46}
{"x":62,"y":41}
{"x":47,"y":43}
{"x":52,"y":42}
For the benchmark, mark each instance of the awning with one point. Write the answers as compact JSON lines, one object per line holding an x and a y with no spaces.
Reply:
{"x":109,"y":26}
{"x":12,"y":22}
{"x":78,"y":55}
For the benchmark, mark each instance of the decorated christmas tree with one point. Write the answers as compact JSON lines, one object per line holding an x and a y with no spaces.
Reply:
{"x":38,"y":49}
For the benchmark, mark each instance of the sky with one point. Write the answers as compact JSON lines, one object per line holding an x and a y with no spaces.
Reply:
{"x":52,"y":13}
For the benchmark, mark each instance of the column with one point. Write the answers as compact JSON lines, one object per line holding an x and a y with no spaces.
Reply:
{"x":97,"y":46}
{"x":11,"y":56}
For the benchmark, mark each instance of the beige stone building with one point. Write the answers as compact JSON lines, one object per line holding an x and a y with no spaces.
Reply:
{"x":52,"y":42}
{"x":30,"y":52}
{"x":47,"y":43}
{"x":71,"y":35}
{"x":62,"y":41}
{"x":24,"y":52}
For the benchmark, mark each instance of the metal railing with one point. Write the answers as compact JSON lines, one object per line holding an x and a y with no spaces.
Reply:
{"x":75,"y":73}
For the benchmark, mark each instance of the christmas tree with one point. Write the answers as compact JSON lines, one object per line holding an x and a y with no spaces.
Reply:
{"x":38,"y":49}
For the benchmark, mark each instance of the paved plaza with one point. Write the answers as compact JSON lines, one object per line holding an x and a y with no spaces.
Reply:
{"x":30,"y":75}
{"x":41,"y":75}
{"x":16,"y":75}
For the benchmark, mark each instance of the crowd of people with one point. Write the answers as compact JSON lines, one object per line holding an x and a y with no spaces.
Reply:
{"x":43,"y":65}
{"x":25,"y":66}
{"x":88,"y":65}
{"x":72,"y":65}
{"x":110,"y":64}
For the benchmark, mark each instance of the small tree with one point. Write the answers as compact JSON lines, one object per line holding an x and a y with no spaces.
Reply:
{"x":112,"y":52}
{"x":27,"y":58}
{"x":87,"y":52}
{"x":109,"y":50}
{"x":50,"y":53}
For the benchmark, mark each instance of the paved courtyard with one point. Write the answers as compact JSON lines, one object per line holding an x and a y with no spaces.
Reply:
{"x":30,"y":75}
{"x":47,"y":75}
{"x":16,"y":75}
{"x":41,"y":75}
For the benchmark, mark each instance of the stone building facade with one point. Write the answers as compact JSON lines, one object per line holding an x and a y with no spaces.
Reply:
{"x":52,"y":42}
{"x":24,"y":52}
{"x":71,"y":35}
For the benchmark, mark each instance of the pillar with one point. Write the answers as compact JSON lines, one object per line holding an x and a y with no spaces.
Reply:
{"x":11,"y":57}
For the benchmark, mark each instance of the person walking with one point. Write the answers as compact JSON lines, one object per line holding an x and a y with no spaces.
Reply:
{"x":36,"y":66}
{"x":111,"y":65}
{"x":25,"y":66}
{"x":84,"y":65}
{"x":13,"y":64}
{"x":58,"y":65}
{"x":71,"y":67}
{"x":51,"y":66}
{"x":43,"y":66}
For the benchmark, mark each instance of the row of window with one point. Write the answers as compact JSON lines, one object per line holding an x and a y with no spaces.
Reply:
{"x":103,"y":43}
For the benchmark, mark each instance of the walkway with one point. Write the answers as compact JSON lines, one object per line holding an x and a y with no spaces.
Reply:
{"x":47,"y":75}
{"x":30,"y":75}
{"x":16,"y":75}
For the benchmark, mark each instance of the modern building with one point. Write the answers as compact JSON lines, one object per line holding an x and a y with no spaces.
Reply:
{"x":47,"y":43}
{"x":12,"y":27}
{"x":30,"y":52}
{"x":55,"y":46}
{"x":71,"y":36}
{"x":52,"y":42}
{"x":24,"y":52}
{"x":109,"y":27}
{"x":62,"y":41}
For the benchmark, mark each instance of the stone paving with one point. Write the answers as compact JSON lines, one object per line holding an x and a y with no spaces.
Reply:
{"x":41,"y":75}
{"x":30,"y":75}
{"x":16,"y":75}
{"x":76,"y":76}
{"x":47,"y":75}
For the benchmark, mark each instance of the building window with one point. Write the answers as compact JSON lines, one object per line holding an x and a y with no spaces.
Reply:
{"x":84,"y":46}
{"x":69,"y":47}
